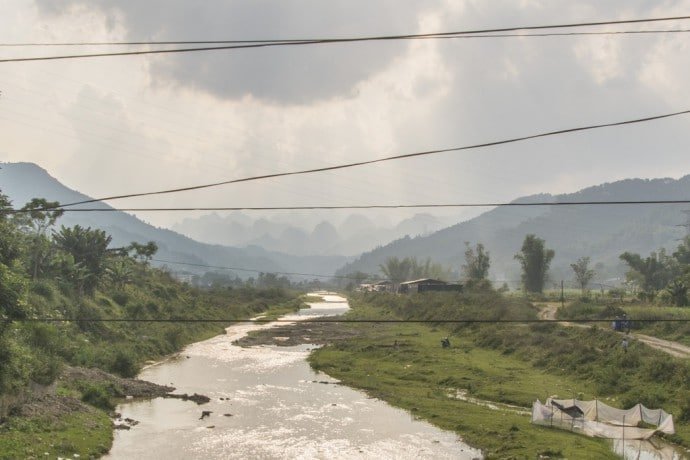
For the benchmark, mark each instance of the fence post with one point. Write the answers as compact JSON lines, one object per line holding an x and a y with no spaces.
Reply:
{"x":624,"y":436}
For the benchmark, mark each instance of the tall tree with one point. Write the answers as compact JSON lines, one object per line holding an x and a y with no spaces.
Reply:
{"x":583,"y":274}
{"x":37,"y":217}
{"x":396,"y":270}
{"x":477,"y":262}
{"x":654,"y":272}
{"x":400,"y":270}
{"x":89,"y":248}
{"x":535,"y":260}
{"x":143,"y":252}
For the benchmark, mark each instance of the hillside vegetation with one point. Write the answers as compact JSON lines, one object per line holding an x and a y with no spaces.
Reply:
{"x":67,"y":298}
{"x":599,"y":232}
{"x":511,"y":364}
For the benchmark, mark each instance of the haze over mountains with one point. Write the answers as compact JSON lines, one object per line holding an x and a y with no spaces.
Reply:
{"x":23,"y":181}
{"x":599,"y":232}
{"x":321,"y":247}
{"x":347,"y":236}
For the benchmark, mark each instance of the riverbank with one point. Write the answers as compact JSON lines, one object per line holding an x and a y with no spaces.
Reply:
{"x":75,"y":414}
{"x":267,"y":402}
{"x":71,"y":419}
{"x":481,"y":387}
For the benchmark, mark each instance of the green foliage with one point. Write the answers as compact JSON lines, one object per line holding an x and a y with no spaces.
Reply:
{"x":498,"y":362}
{"x":653,"y":272}
{"x":535,"y":260}
{"x":13,"y":289}
{"x":38,"y":216}
{"x":477,"y":262}
{"x":409,"y":268}
{"x":678,"y":292}
{"x":97,"y":396}
{"x":422,"y":377}
{"x":88,"y":248}
{"x":583,"y":274}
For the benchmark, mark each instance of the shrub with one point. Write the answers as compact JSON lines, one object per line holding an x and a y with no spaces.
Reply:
{"x":121,"y":298}
{"x":124,"y":363}
{"x":44,"y":289}
{"x":97,"y":396}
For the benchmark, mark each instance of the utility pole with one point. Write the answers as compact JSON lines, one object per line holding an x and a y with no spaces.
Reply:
{"x":562,"y":295}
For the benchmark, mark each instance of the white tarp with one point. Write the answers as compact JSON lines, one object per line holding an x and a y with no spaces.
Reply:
{"x":595,"y":418}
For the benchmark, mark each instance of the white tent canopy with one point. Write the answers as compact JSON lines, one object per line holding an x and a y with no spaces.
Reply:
{"x":595,"y":418}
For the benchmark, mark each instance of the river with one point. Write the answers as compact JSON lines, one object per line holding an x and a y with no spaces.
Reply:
{"x":267,"y":403}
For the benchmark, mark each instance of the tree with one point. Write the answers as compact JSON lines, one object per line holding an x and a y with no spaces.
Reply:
{"x":120,"y":271}
{"x":678,"y":291}
{"x":477,"y":262}
{"x":400,"y":270}
{"x":89,"y":249}
{"x":654,"y":272}
{"x":396,"y":270}
{"x":38,"y":216}
{"x":144,"y":252}
{"x":682,"y":254}
{"x":535,"y":260}
{"x":583,"y":274}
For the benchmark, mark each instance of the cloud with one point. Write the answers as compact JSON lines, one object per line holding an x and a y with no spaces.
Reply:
{"x":289,"y":75}
{"x":219,"y":116}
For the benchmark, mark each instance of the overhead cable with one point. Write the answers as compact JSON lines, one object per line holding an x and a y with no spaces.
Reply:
{"x":376,"y":321}
{"x":316,"y":40}
{"x":379,"y":160}
{"x":370,"y":206}
{"x":252,"y":270}
{"x":321,"y":41}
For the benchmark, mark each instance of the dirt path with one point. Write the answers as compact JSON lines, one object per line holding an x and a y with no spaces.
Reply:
{"x":547,"y":311}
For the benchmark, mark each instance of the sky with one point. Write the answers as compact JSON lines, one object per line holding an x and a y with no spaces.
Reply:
{"x":114,"y":125}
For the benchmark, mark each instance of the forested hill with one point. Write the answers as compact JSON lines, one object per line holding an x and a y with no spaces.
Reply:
{"x":23,"y":181}
{"x":600,"y":232}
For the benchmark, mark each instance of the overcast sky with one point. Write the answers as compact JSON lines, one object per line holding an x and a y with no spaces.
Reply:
{"x":117,"y":125}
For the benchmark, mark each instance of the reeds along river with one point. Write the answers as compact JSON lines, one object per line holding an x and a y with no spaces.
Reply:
{"x":266,"y":402}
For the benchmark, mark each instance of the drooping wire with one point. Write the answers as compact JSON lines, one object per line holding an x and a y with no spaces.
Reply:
{"x":381,"y":160}
{"x":241,"y":44}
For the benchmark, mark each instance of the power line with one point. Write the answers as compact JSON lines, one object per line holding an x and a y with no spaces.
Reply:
{"x":380,"y":160}
{"x":317,"y":320}
{"x":477,"y":34}
{"x":258,"y":271}
{"x":371,"y":206}
{"x":320,"y":41}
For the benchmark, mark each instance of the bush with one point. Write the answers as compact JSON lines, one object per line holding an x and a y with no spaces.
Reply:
{"x":121,"y":298}
{"x":124,"y":364}
{"x":684,"y":413}
{"x":97,"y":396}
{"x":44,"y":289}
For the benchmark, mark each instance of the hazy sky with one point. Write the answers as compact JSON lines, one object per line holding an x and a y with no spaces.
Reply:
{"x":127,"y":124}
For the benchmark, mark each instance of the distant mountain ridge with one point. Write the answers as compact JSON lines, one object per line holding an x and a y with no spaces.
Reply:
{"x":354,"y":235}
{"x":600,"y":232}
{"x":24,"y":181}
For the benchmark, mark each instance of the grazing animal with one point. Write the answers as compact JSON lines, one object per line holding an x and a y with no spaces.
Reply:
{"x":204,"y":414}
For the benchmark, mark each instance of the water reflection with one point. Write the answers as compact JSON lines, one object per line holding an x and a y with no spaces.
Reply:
{"x":647,"y":450}
{"x":266,"y":402}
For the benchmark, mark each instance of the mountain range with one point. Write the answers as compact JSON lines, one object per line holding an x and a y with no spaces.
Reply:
{"x":23,"y":181}
{"x":350,"y":236}
{"x":601,"y":232}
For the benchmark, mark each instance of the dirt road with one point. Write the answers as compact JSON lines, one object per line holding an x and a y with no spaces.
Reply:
{"x":547,"y":311}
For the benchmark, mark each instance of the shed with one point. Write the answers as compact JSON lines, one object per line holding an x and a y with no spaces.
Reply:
{"x":427,"y":285}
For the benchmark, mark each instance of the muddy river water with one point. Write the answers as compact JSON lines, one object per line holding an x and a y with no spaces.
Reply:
{"x":267,"y":403}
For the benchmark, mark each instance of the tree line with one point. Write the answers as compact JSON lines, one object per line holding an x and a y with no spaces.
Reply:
{"x":660,"y":275}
